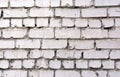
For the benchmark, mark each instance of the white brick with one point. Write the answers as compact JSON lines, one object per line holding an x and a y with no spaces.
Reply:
{"x":16,"y":22}
{"x":15,"y":73}
{"x":29,"y":22}
{"x":118,"y":65}
{"x":67,"y":64}
{"x":55,"y":3}
{"x":28,"y":43}
{"x":81,"y":44}
{"x":67,"y":3}
{"x":7,"y":44}
{"x":4,"y":64}
{"x":48,"y":54}
{"x":114,"y":12}
{"x":67,"y":33}
{"x":42,"y":22}
{"x":41,"y":73}
{"x":1,"y":54}
{"x":108,"y":44}
{"x":114,"y":33}
{"x":95,"y":64}
{"x":94,"y":33}
{"x":92,"y":54}
{"x":16,"y":64}
{"x":15,"y":13}
{"x":42,"y":3}
{"x":15,"y":54}
{"x":4,"y":3}
{"x":67,"y":73}
{"x":41,"y":33}
{"x":54,"y":44}
{"x":67,"y":12}
{"x":4,"y":23}
{"x":1,"y":73}
{"x":81,"y":23}
{"x":55,"y":64}
{"x":41,"y":12}
{"x":83,"y":3}
{"x":28,"y":63}
{"x":94,"y":23}
{"x":115,"y":54}
{"x":42,"y":63}
{"x":54,"y":22}
{"x":107,"y":3}
{"x":108,"y":64}
{"x":94,"y":12}
{"x":68,"y":22}
{"x":117,"y":22}
{"x":114,"y":73}
{"x":108,"y":22}
{"x":14,"y":33}
{"x":82,"y":64}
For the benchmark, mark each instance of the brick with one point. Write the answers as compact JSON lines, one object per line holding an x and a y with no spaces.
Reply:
{"x":67,"y":22}
{"x":94,"y":33}
{"x":28,"y":43}
{"x":15,"y":13}
{"x":16,"y":64}
{"x":81,"y":22}
{"x":66,"y":3}
{"x":101,"y":3}
{"x":108,"y":44}
{"x":16,"y":22}
{"x":68,"y":64}
{"x":114,"y":54}
{"x":117,"y":24}
{"x":81,"y":44}
{"x":83,"y":3}
{"x":42,"y":22}
{"x":42,"y":3}
{"x":4,"y":64}
{"x":94,"y":12}
{"x":29,"y":22}
{"x":14,"y":33}
{"x":67,"y":13}
{"x":93,"y":54}
{"x":95,"y":64}
{"x":4,"y":3}
{"x":41,"y":33}
{"x":55,"y":22}
{"x":67,"y":73}
{"x":14,"y":73}
{"x":81,"y":64}
{"x":4,"y":23}
{"x":48,"y":44}
{"x":55,"y":64}
{"x":108,"y":64}
{"x":1,"y":54}
{"x":114,"y":12}
{"x":117,"y":64}
{"x":55,"y":3}
{"x":41,"y":73}
{"x":114,"y":73}
{"x":67,"y":33}
{"x":15,"y":54}
{"x":108,"y":23}
{"x":28,"y":63}
{"x":114,"y":33}
{"x":94,"y":23}
{"x":42,"y":63}
{"x":42,"y":12}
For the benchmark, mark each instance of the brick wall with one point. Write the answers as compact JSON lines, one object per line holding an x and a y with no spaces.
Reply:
{"x":59,"y":38}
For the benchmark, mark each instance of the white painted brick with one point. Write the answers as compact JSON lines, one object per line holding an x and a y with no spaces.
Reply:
{"x":108,"y":44}
{"x":35,"y":54}
{"x":15,"y":54}
{"x":28,"y":43}
{"x":81,"y":23}
{"x":16,"y":22}
{"x":42,"y":63}
{"x":67,"y":33}
{"x":15,"y":13}
{"x":4,"y":64}
{"x":41,"y":73}
{"x":1,"y":73}
{"x":67,"y":12}
{"x":114,"y":33}
{"x":108,"y":64}
{"x":67,"y":73}
{"x":94,"y":33}
{"x":55,"y":3}
{"x":67,"y":3}
{"x":115,"y":54}
{"x":54,"y":22}
{"x":68,"y":22}
{"x":94,"y":12}
{"x":42,"y":3}
{"x":114,"y":73}
{"x":94,"y":23}
{"x":41,"y":12}
{"x":117,"y":22}
{"x":108,"y":22}
{"x":7,"y":44}
{"x":48,"y":54}
{"x":1,"y":54}
{"x":93,"y":54}
{"x":107,"y":3}
{"x":4,"y":23}
{"x":83,"y":3}
{"x":67,"y":64}
{"x":81,"y":44}
{"x":55,"y":64}
{"x":4,"y":3}
{"x":14,"y":33}
{"x":114,"y":12}
{"x":118,"y":65}
{"x":15,"y":73}
{"x":16,"y":64}
{"x":42,"y":22}
{"x":29,"y":22}
{"x":81,"y":64}
{"x":28,"y":63}
{"x":54,"y":44}
{"x":41,"y":33}
{"x":95,"y":64}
